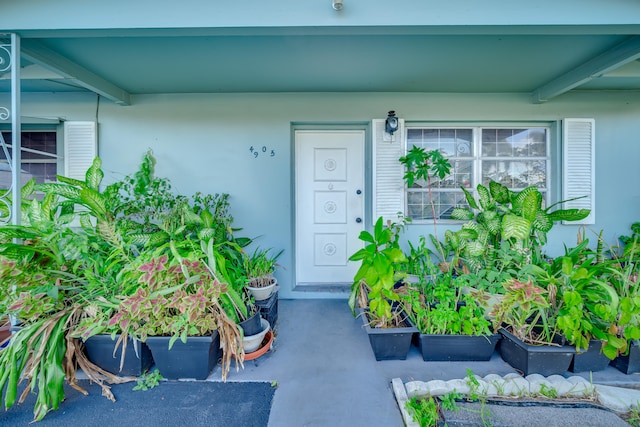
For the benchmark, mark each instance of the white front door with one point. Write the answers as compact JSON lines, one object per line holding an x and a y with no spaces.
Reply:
{"x":329,"y":205}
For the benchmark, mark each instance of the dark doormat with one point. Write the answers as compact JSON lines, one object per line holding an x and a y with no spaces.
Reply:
{"x":172,"y":403}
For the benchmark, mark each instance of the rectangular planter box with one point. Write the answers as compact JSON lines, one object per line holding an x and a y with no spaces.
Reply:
{"x":630,"y":363}
{"x":592,"y":360}
{"x":194,"y":359}
{"x":99,"y":350}
{"x":269,"y":309}
{"x":457,"y":347}
{"x":389,"y":343}
{"x":535,"y":359}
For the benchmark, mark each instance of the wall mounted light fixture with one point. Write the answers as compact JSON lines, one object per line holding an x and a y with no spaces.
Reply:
{"x":337,"y":4}
{"x":391,"y":124}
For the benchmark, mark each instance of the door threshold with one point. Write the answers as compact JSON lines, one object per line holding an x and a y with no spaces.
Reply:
{"x":339,"y":288}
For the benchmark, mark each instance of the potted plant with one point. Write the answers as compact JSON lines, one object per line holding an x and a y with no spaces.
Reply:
{"x":502,"y":216}
{"x":65,"y":283}
{"x":259,"y":269}
{"x":530,"y":342}
{"x":46,"y":284}
{"x":374,"y":295}
{"x":452,"y":326}
{"x":585,"y":304}
{"x":623,"y":277}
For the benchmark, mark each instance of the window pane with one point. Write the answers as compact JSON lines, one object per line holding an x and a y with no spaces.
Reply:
{"x":419,"y":207}
{"x":39,"y":158}
{"x":451,"y":142}
{"x":461,"y":174}
{"x":514,"y":174}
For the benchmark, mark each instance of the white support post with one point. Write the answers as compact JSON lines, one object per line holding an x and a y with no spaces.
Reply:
{"x":16,"y":130}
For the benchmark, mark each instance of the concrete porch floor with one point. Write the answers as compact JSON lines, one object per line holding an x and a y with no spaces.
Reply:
{"x":327,"y":375}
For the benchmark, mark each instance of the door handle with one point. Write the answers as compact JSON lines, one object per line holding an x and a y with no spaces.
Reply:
{"x":358,"y":192}
{"x":358,"y":220}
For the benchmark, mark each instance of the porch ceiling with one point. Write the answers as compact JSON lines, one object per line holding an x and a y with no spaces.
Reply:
{"x":117,"y":65}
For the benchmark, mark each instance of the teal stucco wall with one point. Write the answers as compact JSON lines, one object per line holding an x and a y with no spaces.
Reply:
{"x":201,"y":143}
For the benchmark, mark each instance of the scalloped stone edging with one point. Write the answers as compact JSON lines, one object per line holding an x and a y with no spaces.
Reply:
{"x":616,"y":399}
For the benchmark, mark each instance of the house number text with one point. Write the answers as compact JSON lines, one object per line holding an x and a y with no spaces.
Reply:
{"x":261,"y":151}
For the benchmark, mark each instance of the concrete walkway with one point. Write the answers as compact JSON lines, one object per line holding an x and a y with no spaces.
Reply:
{"x":327,"y":375}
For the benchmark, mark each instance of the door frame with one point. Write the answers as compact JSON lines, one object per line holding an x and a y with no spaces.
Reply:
{"x":328,"y":291}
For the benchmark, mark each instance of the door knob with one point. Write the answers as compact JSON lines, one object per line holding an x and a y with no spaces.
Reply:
{"x":358,"y":191}
{"x":358,"y":220}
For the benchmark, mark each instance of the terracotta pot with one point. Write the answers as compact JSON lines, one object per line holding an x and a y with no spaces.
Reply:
{"x":264,"y":347}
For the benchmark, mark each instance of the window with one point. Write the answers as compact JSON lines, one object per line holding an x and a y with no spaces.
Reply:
{"x":39,"y":157}
{"x":516,"y":157}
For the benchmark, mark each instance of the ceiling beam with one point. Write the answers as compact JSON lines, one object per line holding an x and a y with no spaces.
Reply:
{"x":39,"y":54}
{"x":625,"y":52}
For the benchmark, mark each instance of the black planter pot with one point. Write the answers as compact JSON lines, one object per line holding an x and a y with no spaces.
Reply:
{"x":457,"y":347}
{"x":629,"y":363}
{"x":194,"y":359}
{"x":252,"y":325}
{"x":269,"y":309}
{"x":592,"y":359}
{"x":389,"y":343}
{"x":137,"y":357}
{"x":535,"y":359}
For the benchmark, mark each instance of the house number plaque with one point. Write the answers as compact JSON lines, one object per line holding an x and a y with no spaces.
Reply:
{"x":261,"y":151}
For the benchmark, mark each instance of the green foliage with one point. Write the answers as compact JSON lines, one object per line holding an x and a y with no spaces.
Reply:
{"x":501,"y":215}
{"x":585,"y":304}
{"x":422,"y":165}
{"x":631,"y":244}
{"x":633,"y":416}
{"x":548,"y":391}
{"x":259,"y":267}
{"x":35,"y":354}
{"x":443,"y":309}
{"x":421,"y":168}
{"x":379,"y":259}
{"x":424,"y":411}
{"x":148,"y":380}
{"x":524,"y":311}
{"x":64,"y":282}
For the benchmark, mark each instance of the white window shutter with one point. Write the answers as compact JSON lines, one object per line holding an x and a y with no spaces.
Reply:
{"x":388,"y":185}
{"x":578,"y":148}
{"x":80,"y":148}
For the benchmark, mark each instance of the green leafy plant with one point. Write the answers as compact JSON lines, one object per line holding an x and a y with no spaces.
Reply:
{"x":585,"y":304}
{"x":421,"y":168}
{"x":633,"y":416}
{"x":424,"y":411}
{"x":373,"y":284}
{"x":148,"y":380}
{"x":631,"y":244}
{"x":259,"y":267}
{"x":623,"y":277}
{"x":65,"y":283}
{"x":501,"y":215}
{"x":446,"y":311}
{"x":176,"y":295}
{"x":548,"y":391}
{"x":524,"y":311}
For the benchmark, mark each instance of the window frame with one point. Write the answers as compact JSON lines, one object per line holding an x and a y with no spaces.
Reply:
{"x":552,"y":157}
{"x":57,"y":158}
